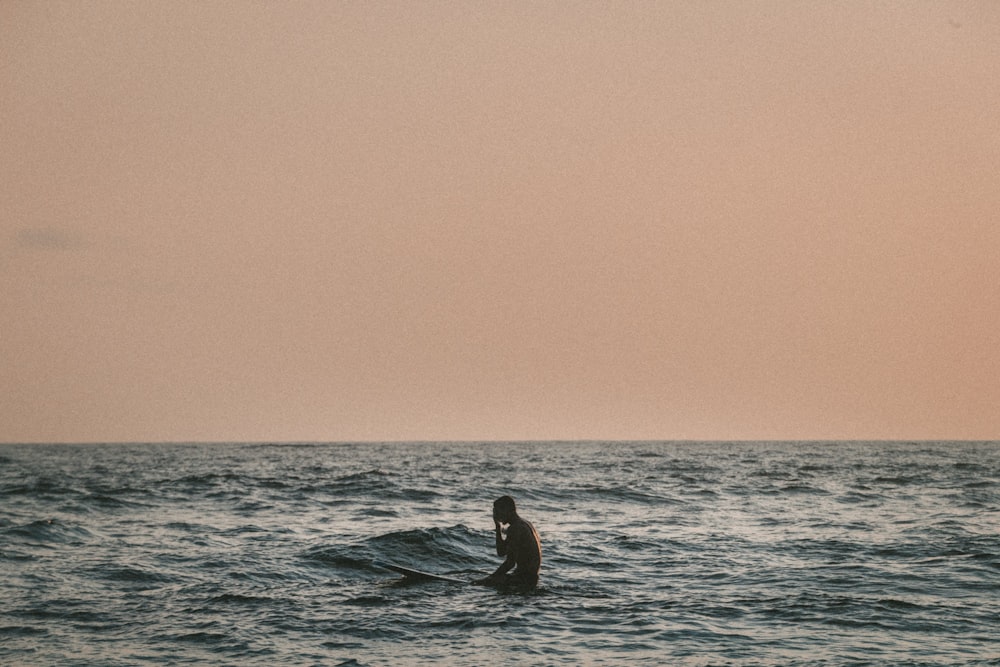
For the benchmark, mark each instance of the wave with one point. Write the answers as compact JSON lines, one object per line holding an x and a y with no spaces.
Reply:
{"x":239,"y":599}
{"x":86,"y":497}
{"x":453,"y":549}
{"x":132,"y":578}
{"x":42,"y":487}
{"x":803,"y":489}
{"x":257,"y":492}
{"x":365,"y":476}
{"x":12,"y":631}
{"x":623,"y":493}
{"x":49,"y":532}
{"x":901,"y":480}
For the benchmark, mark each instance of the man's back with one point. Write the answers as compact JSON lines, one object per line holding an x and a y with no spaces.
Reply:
{"x":525,"y":546}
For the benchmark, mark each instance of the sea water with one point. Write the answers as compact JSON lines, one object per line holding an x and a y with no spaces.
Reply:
{"x":819,"y":553}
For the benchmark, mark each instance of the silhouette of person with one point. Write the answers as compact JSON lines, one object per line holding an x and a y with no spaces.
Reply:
{"x":521,"y":546}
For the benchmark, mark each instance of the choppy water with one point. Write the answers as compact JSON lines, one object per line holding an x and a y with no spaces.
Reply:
{"x":654,"y":553}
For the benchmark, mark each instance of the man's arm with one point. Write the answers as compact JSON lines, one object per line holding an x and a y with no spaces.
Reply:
{"x":504,"y":568}
{"x":501,"y":543}
{"x":504,"y":548}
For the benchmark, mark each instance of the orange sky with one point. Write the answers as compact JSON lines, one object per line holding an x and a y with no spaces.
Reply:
{"x":463,"y":220}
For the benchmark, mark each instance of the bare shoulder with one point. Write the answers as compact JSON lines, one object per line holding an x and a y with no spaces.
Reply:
{"x":523,"y":528}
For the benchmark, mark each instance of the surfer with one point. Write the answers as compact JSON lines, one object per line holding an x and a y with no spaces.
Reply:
{"x":519,"y":543}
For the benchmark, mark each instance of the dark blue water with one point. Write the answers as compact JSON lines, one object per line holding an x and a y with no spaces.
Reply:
{"x":654,"y":553}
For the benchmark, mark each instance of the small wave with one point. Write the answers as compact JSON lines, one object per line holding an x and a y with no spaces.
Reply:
{"x":112,"y":501}
{"x":12,"y":631}
{"x":42,"y":487}
{"x":186,"y":527}
{"x":134,"y":575}
{"x":804,"y":489}
{"x":201,"y":482}
{"x":276,"y":484}
{"x":341,"y":557}
{"x":251,"y":529}
{"x":897,"y":605}
{"x":434,"y":549}
{"x":857,"y":623}
{"x":368,"y":601}
{"x":63,"y":613}
{"x":623,"y":493}
{"x":374,"y":473}
{"x":778,"y":475}
{"x":817,"y":467}
{"x":861,"y":498}
{"x":365,"y":481}
{"x":252,"y":507}
{"x":379,"y":512}
{"x":202,"y":637}
{"x":457,"y":545}
{"x":237,"y":599}
{"x":50,"y":531}
{"x":370,"y":484}
{"x":899,"y":480}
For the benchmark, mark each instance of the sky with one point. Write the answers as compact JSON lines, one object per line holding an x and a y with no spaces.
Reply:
{"x":335,"y":221}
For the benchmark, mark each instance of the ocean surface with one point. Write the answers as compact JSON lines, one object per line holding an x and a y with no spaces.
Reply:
{"x":653,"y":554}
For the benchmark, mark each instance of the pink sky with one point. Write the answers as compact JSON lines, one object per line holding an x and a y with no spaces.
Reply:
{"x":527,"y":220}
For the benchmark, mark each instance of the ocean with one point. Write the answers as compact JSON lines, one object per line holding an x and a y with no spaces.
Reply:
{"x":654,"y":553}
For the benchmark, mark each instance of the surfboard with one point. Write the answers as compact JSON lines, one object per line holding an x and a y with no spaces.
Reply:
{"x":417,"y":575}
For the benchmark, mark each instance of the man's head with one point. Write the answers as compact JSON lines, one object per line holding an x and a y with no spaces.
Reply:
{"x":504,"y":510}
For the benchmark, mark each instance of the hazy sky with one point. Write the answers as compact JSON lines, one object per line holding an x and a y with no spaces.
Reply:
{"x":472,"y":220}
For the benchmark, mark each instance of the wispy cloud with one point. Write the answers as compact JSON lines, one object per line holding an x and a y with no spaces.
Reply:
{"x":46,"y":239}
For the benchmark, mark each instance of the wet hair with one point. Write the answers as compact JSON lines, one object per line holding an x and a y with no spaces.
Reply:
{"x":505,"y":504}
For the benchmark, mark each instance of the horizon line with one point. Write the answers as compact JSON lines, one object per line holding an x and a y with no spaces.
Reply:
{"x":503,"y":441}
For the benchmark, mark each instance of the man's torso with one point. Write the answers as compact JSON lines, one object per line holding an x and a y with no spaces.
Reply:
{"x":526,"y":545}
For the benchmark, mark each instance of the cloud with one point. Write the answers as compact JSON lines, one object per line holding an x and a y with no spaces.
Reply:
{"x":46,"y":239}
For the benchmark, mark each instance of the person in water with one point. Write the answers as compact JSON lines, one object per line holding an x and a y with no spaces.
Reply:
{"x":519,"y":543}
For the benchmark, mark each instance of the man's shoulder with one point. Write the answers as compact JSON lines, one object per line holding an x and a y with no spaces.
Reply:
{"x":523,"y":525}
